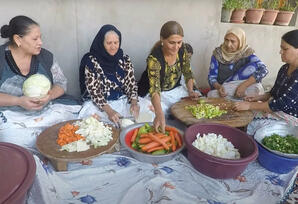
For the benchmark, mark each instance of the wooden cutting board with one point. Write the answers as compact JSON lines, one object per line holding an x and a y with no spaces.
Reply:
{"x":231,"y":118}
{"x":47,"y":146}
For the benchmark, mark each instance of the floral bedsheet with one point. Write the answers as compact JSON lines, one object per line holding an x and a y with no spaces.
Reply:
{"x":120,"y":179}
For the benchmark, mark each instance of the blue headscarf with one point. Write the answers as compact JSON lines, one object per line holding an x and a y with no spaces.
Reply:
{"x":108,"y":63}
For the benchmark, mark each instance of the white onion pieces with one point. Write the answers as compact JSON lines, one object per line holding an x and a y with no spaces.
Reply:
{"x":216,"y":145}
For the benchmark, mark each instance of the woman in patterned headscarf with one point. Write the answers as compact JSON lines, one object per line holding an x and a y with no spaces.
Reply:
{"x":234,"y":68}
{"x":107,"y":75}
{"x":281,"y":102}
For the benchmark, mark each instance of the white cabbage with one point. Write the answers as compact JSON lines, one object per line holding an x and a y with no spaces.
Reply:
{"x":216,"y":145}
{"x":37,"y":85}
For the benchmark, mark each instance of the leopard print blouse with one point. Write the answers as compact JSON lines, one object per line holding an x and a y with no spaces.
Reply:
{"x":98,"y":88}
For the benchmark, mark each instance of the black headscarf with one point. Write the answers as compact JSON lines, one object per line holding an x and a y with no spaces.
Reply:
{"x":107,"y":62}
{"x":291,"y":38}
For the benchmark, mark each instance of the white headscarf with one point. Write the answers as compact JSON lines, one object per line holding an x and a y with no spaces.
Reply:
{"x":240,"y":34}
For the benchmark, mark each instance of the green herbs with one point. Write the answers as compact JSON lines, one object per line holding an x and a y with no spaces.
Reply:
{"x":203,"y":110}
{"x":287,"y":144}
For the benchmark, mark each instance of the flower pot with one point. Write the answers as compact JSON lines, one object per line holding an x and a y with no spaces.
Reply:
{"x":283,"y":18}
{"x":237,"y":16}
{"x":226,"y":15}
{"x":269,"y":16}
{"x":253,"y":15}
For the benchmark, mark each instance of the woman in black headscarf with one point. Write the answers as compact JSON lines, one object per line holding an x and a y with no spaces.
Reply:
{"x":106,"y":74}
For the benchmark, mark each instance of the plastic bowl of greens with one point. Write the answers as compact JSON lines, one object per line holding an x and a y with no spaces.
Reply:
{"x":280,"y":139}
{"x":145,"y":145}
{"x":276,"y":161}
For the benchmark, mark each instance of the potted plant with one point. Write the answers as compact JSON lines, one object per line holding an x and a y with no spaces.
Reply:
{"x":226,"y":11}
{"x":238,"y":13}
{"x":255,"y":12}
{"x":286,"y":11}
{"x":271,"y":11}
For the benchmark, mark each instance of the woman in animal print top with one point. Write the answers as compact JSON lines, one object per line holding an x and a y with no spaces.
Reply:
{"x":107,"y":74}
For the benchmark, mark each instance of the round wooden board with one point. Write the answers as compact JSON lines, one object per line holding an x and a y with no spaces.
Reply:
{"x":231,"y":118}
{"x":46,"y":145}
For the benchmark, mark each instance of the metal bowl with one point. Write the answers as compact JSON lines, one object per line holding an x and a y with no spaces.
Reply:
{"x":279,"y":129}
{"x":148,"y":158}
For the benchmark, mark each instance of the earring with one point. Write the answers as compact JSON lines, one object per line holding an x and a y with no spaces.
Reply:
{"x":161,"y":43}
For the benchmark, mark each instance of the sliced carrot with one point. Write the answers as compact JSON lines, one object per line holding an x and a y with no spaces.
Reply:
{"x":173,"y":141}
{"x":168,"y":128}
{"x":155,"y":144}
{"x":134,"y":135}
{"x":145,"y":140}
{"x":67,"y":134}
{"x":177,"y":137}
{"x":155,"y":148}
{"x":156,"y":139}
{"x":144,"y":135}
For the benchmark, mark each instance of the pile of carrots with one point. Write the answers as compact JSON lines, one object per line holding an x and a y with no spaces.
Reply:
{"x":67,"y":134}
{"x":154,"y":141}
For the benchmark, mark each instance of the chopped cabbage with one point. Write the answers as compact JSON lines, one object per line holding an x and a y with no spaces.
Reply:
{"x":77,"y":146}
{"x":95,"y":133}
{"x":37,"y":85}
{"x":203,"y":110}
{"x":126,"y":122}
{"x":216,"y":145}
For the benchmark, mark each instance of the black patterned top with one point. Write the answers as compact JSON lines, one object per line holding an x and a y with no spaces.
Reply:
{"x":101,"y":87}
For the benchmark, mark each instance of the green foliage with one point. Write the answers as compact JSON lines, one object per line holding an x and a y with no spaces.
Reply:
{"x":256,"y":4}
{"x":241,"y":4}
{"x":289,"y":6}
{"x":228,"y":4}
{"x":235,"y":4}
{"x":271,"y":4}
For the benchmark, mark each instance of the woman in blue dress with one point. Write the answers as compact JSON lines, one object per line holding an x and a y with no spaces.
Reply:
{"x":235,"y":69}
{"x":280,"y":104}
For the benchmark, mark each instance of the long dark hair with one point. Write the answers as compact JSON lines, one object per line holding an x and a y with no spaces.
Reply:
{"x":168,"y":29}
{"x":19,"y":25}
{"x":291,"y":38}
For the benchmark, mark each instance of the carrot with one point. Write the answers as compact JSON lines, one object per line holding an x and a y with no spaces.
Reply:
{"x":160,"y":135}
{"x":144,"y":135}
{"x":155,"y":144}
{"x":156,"y":139}
{"x":173,"y":141}
{"x":134,"y":135}
{"x":145,"y":140}
{"x":67,"y":134}
{"x":155,"y":148}
{"x":171,"y":129}
{"x":177,"y":137}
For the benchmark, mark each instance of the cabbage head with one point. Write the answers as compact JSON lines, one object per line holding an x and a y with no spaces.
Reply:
{"x":37,"y":85}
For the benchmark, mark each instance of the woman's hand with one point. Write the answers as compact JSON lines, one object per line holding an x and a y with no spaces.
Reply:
{"x":193,"y":94}
{"x":29,"y":103}
{"x":134,"y":110}
{"x":221,"y":91}
{"x":45,"y":100}
{"x":159,"y":122}
{"x":114,"y":116}
{"x":251,"y":98}
{"x":241,"y":106}
{"x":240,"y":91}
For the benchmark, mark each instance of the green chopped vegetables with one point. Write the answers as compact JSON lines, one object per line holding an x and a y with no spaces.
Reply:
{"x":203,"y":110}
{"x":287,"y":144}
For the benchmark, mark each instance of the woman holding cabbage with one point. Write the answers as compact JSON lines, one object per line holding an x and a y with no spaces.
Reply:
{"x":30,"y":79}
